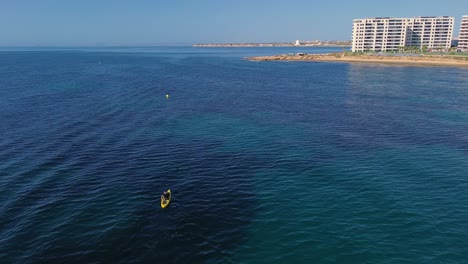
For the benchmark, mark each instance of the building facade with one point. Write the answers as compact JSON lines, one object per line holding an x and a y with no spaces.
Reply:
{"x":392,"y":34}
{"x":463,"y":37}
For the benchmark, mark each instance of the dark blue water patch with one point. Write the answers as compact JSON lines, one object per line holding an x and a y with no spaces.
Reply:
{"x":213,"y":202}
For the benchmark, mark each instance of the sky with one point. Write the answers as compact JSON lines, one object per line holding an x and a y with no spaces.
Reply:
{"x":184,"y":22}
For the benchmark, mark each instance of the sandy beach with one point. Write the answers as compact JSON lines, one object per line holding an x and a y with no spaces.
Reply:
{"x":424,"y":60}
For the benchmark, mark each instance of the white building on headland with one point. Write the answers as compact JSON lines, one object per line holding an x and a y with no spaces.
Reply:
{"x":391,"y":34}
{"x":297,"y":43}
{"x":463,"y":37}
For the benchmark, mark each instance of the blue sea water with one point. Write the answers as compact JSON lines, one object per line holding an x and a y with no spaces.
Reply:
{"x":268,"y":162}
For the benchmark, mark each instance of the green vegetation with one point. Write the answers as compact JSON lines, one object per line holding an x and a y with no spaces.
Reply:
{"x":350,"y":53}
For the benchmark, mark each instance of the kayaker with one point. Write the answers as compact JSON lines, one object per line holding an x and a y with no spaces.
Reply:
{"x":165,"y":196}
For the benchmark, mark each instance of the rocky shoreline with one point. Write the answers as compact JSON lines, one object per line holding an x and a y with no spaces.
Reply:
{"x":436,"y":60}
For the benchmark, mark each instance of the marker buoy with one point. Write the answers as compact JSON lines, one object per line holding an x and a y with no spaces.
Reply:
{"x":167,"y":96}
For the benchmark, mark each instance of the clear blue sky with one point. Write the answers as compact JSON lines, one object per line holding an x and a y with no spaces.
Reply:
{"x":184,"y":22}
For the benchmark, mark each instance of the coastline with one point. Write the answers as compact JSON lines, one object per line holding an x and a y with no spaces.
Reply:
{"x":316,"y":43}
{"x":265,"y":45}
{"x":426,"y":60}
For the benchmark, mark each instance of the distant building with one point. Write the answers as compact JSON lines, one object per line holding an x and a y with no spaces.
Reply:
{"x":391,"y":34}
{"x":297,"y":43}
{"x":463,"y":37}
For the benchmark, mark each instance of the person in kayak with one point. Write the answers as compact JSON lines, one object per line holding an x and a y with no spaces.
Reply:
{"x":165,"y":196}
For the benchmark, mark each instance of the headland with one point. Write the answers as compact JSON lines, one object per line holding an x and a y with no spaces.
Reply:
{"x":399,"y":59}
{"x":313,"y":43}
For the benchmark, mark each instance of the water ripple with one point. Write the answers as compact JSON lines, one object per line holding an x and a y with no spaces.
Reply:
{"x":293,"y":162}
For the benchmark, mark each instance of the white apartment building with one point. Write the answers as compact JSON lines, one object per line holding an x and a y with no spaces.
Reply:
{"x":390,"y":34}
{"x":463,"y":37}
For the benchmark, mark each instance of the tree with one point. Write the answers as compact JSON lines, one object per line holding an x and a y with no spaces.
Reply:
{"x":424,"y":48}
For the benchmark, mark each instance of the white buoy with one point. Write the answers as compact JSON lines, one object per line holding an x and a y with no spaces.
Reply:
{"x":167,"y":96}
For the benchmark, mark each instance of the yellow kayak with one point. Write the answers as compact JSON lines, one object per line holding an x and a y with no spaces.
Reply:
{"x":165,"y":202}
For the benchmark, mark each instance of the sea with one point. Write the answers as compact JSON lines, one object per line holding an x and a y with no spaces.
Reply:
{"x":268,"y":162}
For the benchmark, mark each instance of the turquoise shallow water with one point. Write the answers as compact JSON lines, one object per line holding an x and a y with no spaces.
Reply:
{"x":269,"y":162}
